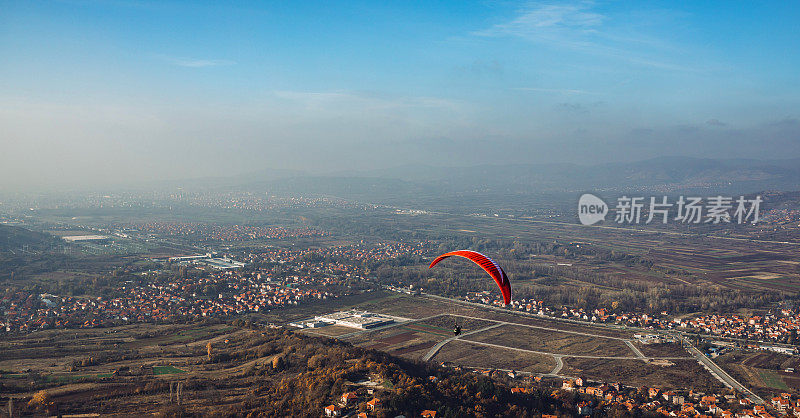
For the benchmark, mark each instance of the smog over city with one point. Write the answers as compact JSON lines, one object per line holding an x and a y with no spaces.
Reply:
{"x":383,"y":209}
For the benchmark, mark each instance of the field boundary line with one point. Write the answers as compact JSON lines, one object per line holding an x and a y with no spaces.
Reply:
{"x":435,"y":349}
{"x":565,"y":331}
{"x":525,"y":350}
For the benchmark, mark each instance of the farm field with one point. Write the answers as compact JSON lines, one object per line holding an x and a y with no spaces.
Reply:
{"x":419,"y":307}
{"x":678,"y":257}
{"x":640,"y":373}
{"x":498,"y":340}
{"x":82,"y":366}
{"x":471,"y":355}
{"x":409,"y":341}
{"x":56,"y":351}
{"x":536,"y":339}
{"x":328,"y":331}
{"x":412,"y":307}
{"x":661,"y":350}
{"x":764,"y":372}
{"x":447,"y":322}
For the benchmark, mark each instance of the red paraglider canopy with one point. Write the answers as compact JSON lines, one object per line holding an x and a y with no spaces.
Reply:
{"x":487,"y":264}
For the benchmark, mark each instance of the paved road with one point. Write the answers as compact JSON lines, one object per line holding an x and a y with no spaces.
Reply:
{"x":435,"y":349}
{"x":639,"y":355}
{"x":559,"y":366}
{"x":545,"y":318}
{"x":720,"y":374}
{"x":712,"y":367}
{"x":634,"y":349}
{"x":547,"y":353}
{"x":560,"y":330}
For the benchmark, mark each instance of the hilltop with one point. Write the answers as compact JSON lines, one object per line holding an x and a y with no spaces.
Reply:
{"x":237,"y":371}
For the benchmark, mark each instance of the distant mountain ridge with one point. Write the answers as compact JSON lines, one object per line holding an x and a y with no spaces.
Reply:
{"x":647,"y":172}
{"x":666,"y":173}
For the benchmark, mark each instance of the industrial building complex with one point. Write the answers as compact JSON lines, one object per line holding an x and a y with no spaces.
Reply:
{"x":351,"y":319}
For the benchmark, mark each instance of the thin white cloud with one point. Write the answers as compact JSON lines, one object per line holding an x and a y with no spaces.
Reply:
{"x":562,"y":24}
{"x":578,"y":27}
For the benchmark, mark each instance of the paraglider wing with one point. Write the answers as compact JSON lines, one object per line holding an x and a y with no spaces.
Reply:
{"x":486,"y":264}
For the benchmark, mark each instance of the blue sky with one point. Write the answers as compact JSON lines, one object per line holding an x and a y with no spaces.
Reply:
{"x":163,"y":89}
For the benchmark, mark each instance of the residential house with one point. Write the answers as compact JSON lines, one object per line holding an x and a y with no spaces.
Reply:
{"x":373,"y":404}
{"x":332,"y":411}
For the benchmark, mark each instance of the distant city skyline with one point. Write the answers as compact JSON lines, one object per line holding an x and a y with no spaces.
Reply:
{"x":120,"y":91}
